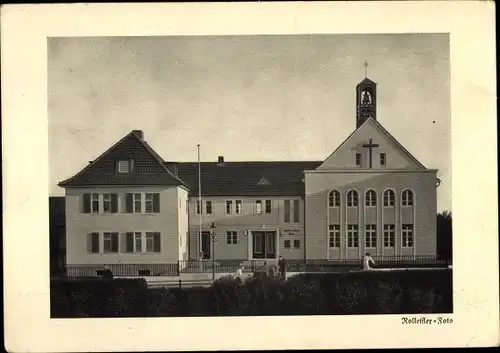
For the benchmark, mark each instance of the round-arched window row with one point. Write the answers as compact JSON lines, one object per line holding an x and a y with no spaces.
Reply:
{"x":389,"y":198}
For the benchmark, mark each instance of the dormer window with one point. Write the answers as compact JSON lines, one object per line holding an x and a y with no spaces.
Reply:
{"x":124,"y":166}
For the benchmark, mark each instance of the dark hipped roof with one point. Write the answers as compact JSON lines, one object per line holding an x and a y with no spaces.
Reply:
{"x":149,"y":168}
{"x":245,"y":178}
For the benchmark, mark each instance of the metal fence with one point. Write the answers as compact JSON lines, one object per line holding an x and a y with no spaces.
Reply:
{"x":123,"y":270}
{"x":250,"y":266}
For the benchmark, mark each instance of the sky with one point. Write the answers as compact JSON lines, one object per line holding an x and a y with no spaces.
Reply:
{"x":247,"y":98}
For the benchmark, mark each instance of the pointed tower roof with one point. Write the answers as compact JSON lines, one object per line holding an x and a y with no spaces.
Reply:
{"x":366,"y":81}
{"x":148,"y":166}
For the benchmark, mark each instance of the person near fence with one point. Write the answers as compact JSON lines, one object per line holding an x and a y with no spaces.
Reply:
{"x":200,"y":259}
{"x":273,"y":271}
{"x":282,"y":266}
{"x":238,"y":276}
{"x":107,"y":273}
{"x":367,"y":260}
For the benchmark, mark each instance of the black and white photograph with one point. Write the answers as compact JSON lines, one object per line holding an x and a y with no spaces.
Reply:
{"x":320,"y":172}
{"x":337,"y":202}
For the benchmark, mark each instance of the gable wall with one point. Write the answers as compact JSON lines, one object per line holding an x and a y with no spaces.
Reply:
{"x":344,"y":156}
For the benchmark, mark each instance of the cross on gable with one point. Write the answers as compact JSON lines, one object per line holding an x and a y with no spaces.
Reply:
{"x":370,"y":145}
{"x":263,"y":181}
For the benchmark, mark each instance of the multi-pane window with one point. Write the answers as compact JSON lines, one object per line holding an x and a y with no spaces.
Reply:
{"x":152,"y":201}
{"x":258,"y":206}
{"x":407,"y":198}
{"x":389,"y":198}
{"x":389,"y":235}
{"x":296,"y":211}
{"x":296,"y":244}
{"x":92,"y":203}
{"x":352,"y":198}
{"x":287,"y":244}
{"x":198,"y":206}
{"x":239,"y":207}
{"x":153,"y":242}
{"x":371,"y":198}
{"x":352,"y":236}
{"x":231,"y":237}
{"x":382,"y":160}
{"x":269,"y":206}
{"x":95,"y":203}
{"x":358,"y":159}
{"x":292,"y":208}
{"x":334,"y":198}
{"x":137,"y":203}
{"x":93,"y":245}
{"x":106,"y":203}
{"x":371,"y":236}
{"x":334,"y":236}
{"x":110,"y":242}
{"x":208,"y":207}
{"x":133,"y":242}
{"x":407,"y":236}
{"x":137,"y":242}
{"x":229,"y":207}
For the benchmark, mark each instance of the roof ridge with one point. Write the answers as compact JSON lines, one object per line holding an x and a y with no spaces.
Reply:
{"x":160,"y":160}
{"x":394,"y":140}
{"x":385,"y":132}
{"x":151,"y":151}
{"x":67,"y":180}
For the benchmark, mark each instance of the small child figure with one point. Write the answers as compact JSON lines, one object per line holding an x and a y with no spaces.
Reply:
{"x":367,"y":260}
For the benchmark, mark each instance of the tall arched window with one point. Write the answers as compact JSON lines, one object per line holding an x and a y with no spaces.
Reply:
{"x":371,"y":198}
{"x":334,"y":198}
{"x":352,"y":198}
{"x":389,"y":198}
{"x":407,"y":198}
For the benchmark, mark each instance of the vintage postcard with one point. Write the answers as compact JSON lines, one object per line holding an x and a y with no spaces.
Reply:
{"x":324,"y":173}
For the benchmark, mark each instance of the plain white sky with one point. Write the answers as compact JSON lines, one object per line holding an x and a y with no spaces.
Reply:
{"x":245,"y":97}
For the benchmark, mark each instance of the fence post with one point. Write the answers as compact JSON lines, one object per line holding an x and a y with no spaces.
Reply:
{"x":178,"y":268}
{"x":180,"y":284}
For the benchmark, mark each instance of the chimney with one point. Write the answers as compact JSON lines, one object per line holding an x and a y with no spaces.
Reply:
{"x":220,"y":160}
{"x":139,"y":133}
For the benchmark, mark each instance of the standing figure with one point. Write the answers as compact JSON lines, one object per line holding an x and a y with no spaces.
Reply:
{"x":273,"y":271}
{"x":367,"y":260}
{"x":200,"y":260}
{"x":238,"y":276}
{"x":282,"y":265}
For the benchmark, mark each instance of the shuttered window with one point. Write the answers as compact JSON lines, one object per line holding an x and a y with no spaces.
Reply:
{"x":129,"y":239}
{"x":153,"y":242}
{"x":86,"y":203}
{"x":287,"y":211}
{"x":110,"y":242}
{"x":93,"y":243}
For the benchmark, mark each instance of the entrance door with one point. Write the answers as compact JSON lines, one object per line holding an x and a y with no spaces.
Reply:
{"x":205,"y":245}
{"x":270,"y":245}
{"x":264,"y":245}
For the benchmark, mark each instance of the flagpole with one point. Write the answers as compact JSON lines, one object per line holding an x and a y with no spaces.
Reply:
{"x":199,"y":201}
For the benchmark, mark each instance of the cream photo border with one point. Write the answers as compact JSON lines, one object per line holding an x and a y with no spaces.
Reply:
{"x":25,"y":29}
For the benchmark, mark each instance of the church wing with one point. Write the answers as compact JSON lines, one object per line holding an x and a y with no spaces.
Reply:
{"x":371,"y":147}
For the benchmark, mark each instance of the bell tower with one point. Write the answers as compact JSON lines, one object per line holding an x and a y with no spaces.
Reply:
{"x":366,"y":102}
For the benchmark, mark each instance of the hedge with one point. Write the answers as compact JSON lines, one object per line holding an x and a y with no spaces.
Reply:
{"x":392,"y":292}
{"x":98,"y":297}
